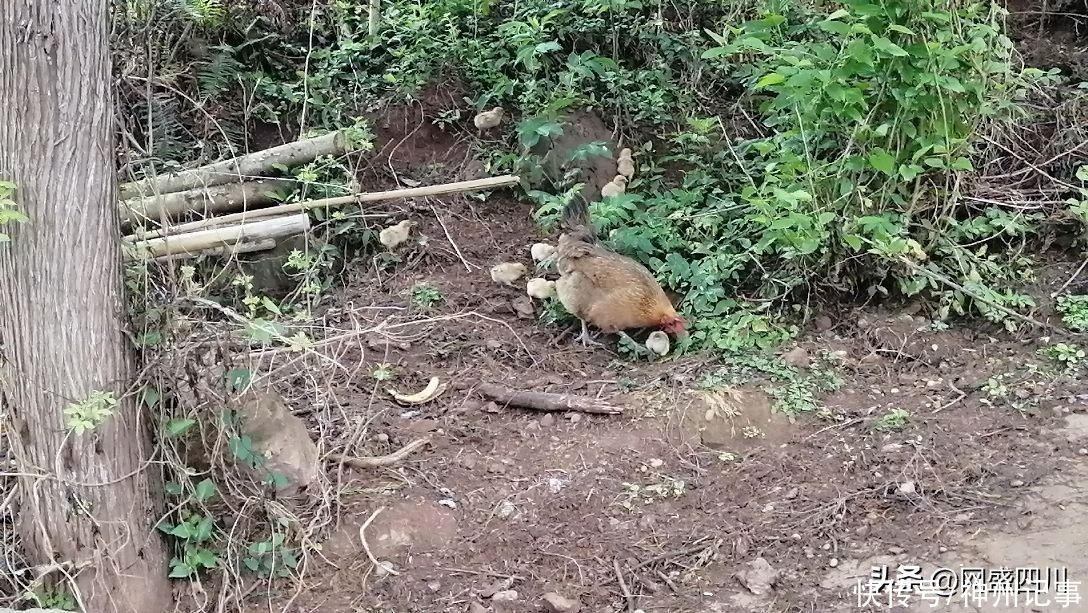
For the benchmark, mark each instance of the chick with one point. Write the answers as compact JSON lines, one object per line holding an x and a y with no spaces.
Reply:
{"x":625,"y":164}
{"x":541,"y":251}
{"x":541,"y":289}
{"x":396,"y":234}
{"x":507,"y":272}
{"x":488,"y":119}
{"x":658,"y":342}
{"x":615,"y":187}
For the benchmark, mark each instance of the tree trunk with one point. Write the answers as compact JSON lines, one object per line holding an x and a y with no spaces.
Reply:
{"x":85,"y":498}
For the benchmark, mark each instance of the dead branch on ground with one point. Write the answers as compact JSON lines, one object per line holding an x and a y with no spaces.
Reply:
{"x":547,"y":401}
{"x":382,"y":460}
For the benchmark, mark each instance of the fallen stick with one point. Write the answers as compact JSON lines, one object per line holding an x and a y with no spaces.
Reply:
{"x":195,"y":242}
{"x":381,"y":460}
{"x":259,"y":163}
{"x":203,"y":200}
{"x":547,"y":401}
{"x":225,"y":250}
{"x":411,"y":192}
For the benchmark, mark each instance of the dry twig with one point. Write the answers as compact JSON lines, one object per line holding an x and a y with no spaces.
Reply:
{"x":382,"y":460}
{"x":546,"y":401}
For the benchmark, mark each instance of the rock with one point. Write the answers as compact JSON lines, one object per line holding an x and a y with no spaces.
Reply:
{"x":547,"y":421}
{"x":1017,"y":483}
{"x":833,"y":562}
{"x":793,"y":493}
{"x":281,"y":439}
{"x":1083,"y":451}
{"x":758,"y":576}
{"x":384,"y":568}
{"x":505,"y":596}
{"x":823,"y":323}
{"x":554,"y":603}
{"x":506,"y":510}
{"x":475,"y":607}
{"x":907,"y":488}
{"x":797,"y":358}
{"x":523,"y":307}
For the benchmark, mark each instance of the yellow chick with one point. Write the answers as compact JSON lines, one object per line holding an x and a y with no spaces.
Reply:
{"x":541,"y":251}
{"x":625,"y":164}
{"x":615,"y":187}
{"x":507,"y":272}
{"x":658,"y":342}
{"x":541,"y":289}
{"x":395,"y":234}
{"x":488,"y":119}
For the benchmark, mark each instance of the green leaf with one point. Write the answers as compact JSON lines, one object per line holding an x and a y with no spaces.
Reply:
{"x":271,"y":306}
{"x":178,"y":426}
{"x":151,"y":397}
{"x":888,"y":46}
{"x":204,"y":490}
{"x":149,"y":339}
{"x":883,"y":161}
{"x":770,"y":79}
{"x":182,"y":531}
{"x":180,"y":570}
{"x":962,"y":163}
{"x":239,"y":378}
{"x":252,"y":564}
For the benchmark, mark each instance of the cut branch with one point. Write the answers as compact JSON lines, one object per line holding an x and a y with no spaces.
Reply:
{"x":256,"y":164}
{"x":224,"y":251}
{"x":196,"y":242}
{"x":382,"y":460}
{"x":547,"y":401}
{"x":411,"y":192}
{"x":203,"y":200}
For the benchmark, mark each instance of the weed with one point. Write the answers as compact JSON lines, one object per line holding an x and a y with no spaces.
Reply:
{"x":1074,"y":311}
{"x":382,"y":372}
{"x":269,"y":558}
{"x":1069,"y":356}
{"x":425,"y":295}
{"x":89,"y":413}
{"x":8,"y":211}
{"x":893,"y":421}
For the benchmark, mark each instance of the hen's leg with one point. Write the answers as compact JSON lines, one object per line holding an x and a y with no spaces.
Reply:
{"x":585,"y":337}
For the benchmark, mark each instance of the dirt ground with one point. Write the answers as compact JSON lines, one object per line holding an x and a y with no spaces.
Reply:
{"x":671,"y":505}
{"x":700,"y":497}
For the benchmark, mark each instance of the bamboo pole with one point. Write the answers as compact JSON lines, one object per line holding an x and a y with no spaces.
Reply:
{"x":196,"y":242}
{"x":204,"y":199}
{"x":255,"y":164}
{"x":225,"y":251}
{"x":411,"y":192}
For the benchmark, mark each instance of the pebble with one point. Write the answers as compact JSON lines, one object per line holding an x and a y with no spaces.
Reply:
{"x":384,"y":569}
{"x":547,"y":421}
{"x":383,"y":438}
{"x":505,"y":596}
{"x":1083,"y":451}
{"x":833,"y":562}
{"x":555,"y":603}
{"x":895,"y":550}
{"x":434,"y":586}
{"x":1017,"y":483}
{"x":506,"y":509}
{"x":476,"y":607}
{"x":907,"y":488}
{"x":790,"y":495}
{"x":942,"y":549}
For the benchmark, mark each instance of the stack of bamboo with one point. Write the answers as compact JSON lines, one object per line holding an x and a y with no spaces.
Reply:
{"x":222,"y":187}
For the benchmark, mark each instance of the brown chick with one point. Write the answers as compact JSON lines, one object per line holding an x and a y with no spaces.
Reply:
{"x":606,"y":289}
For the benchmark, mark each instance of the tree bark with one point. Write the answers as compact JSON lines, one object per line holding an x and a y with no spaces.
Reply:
{"x":85,"y":499}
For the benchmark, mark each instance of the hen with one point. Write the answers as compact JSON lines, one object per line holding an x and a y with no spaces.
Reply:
{"x":606,"y":289}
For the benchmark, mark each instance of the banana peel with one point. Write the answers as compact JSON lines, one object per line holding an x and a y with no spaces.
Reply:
{"x":433,"y":390}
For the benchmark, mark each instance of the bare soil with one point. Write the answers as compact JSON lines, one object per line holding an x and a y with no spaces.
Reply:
{"x":661,"y":508}
{"x":689,"y":485}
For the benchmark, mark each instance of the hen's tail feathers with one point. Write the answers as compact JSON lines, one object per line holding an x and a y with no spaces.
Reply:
{"x":576,"y":221}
